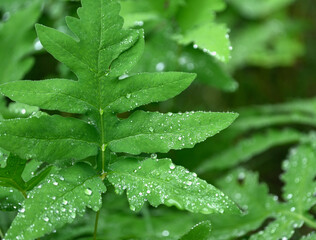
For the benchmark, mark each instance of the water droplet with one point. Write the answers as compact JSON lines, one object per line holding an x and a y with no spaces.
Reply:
{"x":153,"y":156}
{"x":139,"y":23}
{"x":289,"y":196}
{"x":88,"y":191}
{"x":46,"y":219}
{"x":128,"y":95}
{"x":160,"y":66}
{"x":23,"y":111}
{"x":123,"y":77}
{"x":151,"y":129}
{"x":38,"y":45}
{"x":55,"y":183}
{"x":172,"y":166}
{"x":195,"y":46}
{"x":165,"y":233}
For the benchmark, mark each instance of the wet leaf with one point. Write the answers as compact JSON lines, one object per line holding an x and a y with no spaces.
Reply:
{"x":200,"y":231}
{"x":58,"y":200}
{"x":161,"y":182}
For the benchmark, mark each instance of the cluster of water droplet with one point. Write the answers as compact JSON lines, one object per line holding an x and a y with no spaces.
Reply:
{"x":55,"y":202}
{"x":161,"y":182}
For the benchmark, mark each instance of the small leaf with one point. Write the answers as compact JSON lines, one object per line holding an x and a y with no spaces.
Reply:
{"x":161,"y":182}
{"x":57,"y":201}
{"x":200,"y":231}
{"x":211,"y":38}
{"x":196,"y":20}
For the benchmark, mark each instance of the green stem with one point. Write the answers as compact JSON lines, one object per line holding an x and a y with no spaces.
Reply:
{"x":147,"y":217}
{"x":24,"y":194}
{"x":96,"y":225}
{"x":103,"y":146}
{"x":308,"y":221}
{"x":1,"y":234}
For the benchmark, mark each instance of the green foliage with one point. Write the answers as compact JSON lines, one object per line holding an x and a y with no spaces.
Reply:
{"x":258,"y":9}
{"x":72,"y":144}
{"x":259,"y":205}
{"x":161,"y":182}
{"x":188,"y":31}
{"x":270,"y":36}
{"x":88,"y":129}
{"x":56,"y":201}
{"x":248,"y":148}
{"x":15,"y":46}
{"x":199,"y":231}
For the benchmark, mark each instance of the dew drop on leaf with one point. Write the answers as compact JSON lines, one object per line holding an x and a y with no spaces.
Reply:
{"x":88,"y":191}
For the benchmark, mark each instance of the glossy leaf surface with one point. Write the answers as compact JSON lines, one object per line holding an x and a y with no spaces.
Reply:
{"x":57,"y":201}
{"x":161,"y":182}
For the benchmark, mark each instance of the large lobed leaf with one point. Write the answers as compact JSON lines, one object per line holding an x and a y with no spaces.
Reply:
{"x":99,"y":55}
{"x":161,"y":182}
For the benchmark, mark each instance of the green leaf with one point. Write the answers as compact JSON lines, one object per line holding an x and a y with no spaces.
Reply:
{"x":248,"y":148}
{"x":16,"y":45}
{"x":57,"y":201}
{"x":161,"y":182}
{"x":35,"y":138}
{"x":156,"y":132}
{"x":267,"y":44}
{"x":10,"y":176}
{"x":3,"y":157}
{"x":187,"y":59}
{"x":259,"y":8}
{"x":299,"y":176}
{"x":298,"y":106}
{"x":211,"y":38}
{"x":197,"y":12}
{"x":200,"y":231}
{"x":252,"y":196}
{"x":282,"y":228}
{"x":196,"y":20}
{"x":287,"y":216}
{"x":65,"y":95}
{"x":248,"y":123}
{"x":11,"y":199}
{"x":311,"y":236}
